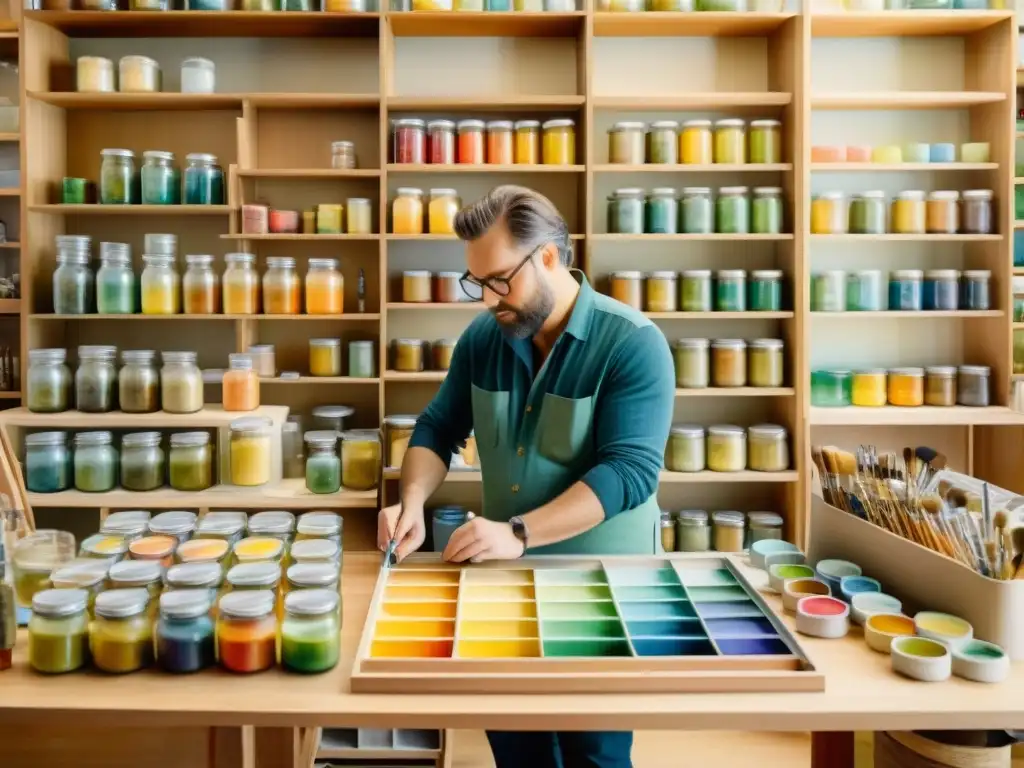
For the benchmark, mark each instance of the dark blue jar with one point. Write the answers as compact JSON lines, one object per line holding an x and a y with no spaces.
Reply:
{"x":905,"y":289}
{"x":941,"y":289}
{"x":974,"y":290}
{"x":446,"y":520}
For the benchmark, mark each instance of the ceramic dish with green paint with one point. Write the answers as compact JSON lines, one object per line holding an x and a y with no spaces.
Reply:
{"x":760,"y":549}
{"x":981,"y":662}
{"x":921,"y":659}
{"x":778,"y":574}
{"x":784,"y":558}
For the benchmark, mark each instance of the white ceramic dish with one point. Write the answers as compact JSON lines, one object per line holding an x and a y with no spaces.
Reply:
{"x":784,"y":558}
{"x":832,"y":572}
{"x":921,"y":659}
{"x":826,"y":617}
{"x":778,"y":574}
{"x":855,"y":585}
{"x":795,"y":590}
{"x":865,"y":604}
{"x":764,"y":547}
{"x":943,"y":627}
{"x":981,"y":662}
{"x":881,"y":629}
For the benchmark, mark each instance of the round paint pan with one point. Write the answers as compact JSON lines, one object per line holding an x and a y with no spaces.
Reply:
{"x":795,"y":590}
{"x":855,"y":585}
{"x":881,"y":629}
{"x":981,"y":662}
{"x":832,"y":572}
{"x":826,"y":617}
{"x":784,"y":558}
{"x":921,"y":659}
{"x":864,"y":604}
{"x":778,"y":574}
{"x":943,"y":627}
{"x":760,"y":549}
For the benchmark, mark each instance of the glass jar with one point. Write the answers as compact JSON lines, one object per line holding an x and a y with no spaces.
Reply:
{"x":250,"y":451}
{"x":325,"y":357}
{"x":362,"y":360}
{"x":864,"y":291}
{"x":908,"y":213}
{"x":410,"y":141}
{"x":693,"y":534}
{"x":73,"y":284}
{"x":87,"y":575}
{"x":323,"y":467}
{"x":730,"y":290}
{"x":471,"y":142}
{"x":108,"y":547}
{"x":942,"y":212}
{"x":343,"y":155}
{"x":766,"y":211}
{"x":47,"y":462}
{"x":765,"y":141}
{"x":159,"y":179}
{"x":441,"y":142}
{"x":527,"y":142}
{"x":398,"y":431}
{"x":831,"y":388}
{"x":121,"y":637}
{"x":977,"y":212}
{"x":764,"y":290}
{"x":728,"y":363}
{"x":692,"y":363}
{"x":281,"y":287}
{"x":627,"y":286}
{"x":247,"y":631}
{"x":868,"y":388}
{"x":359,"y":216}
{"x":626,"y":211}
{"x":867,"y":213}
{"x":662,"y":212}
{"x":626,"y":143}
{"x":668,"y":532}
{"x":974,"y":290}
{"x":200,"y":289}
{"x":138,"y":74}
{"x":972,"y":384}
{"x":49,"y":381}
{"x":139,"y":382}
{"x":256,"y":551}
{"x":906,"y":290}
{"x":696,"y":143}
{"x":441,"y":352}
{"x":360,"y":459}
{"x":325,"y":288}
{"x":96,"y":379}
{"x":695,"y":290}
{"x":95,"y":462}
{"x":241,"y":285}
{"x":906,"y":387}
{"x":763,"y":526}
{"x":117,"y":177}
{"x":142,"y":461}
{"x":178,"y":524}
{"x":441,"y":210}
{"x":311,"y":631}
{"x":663,"y":142}
{"x":941,"y":289}
{"x":181,"y":383}
{"x":277,"y":523}
{"x":319,"y":525}
{"x":407,"y":355}
{"x":204,"y":179}
{"x":94,"y":74}
{"x":205,"y":576}
{"x":499,"y":142}
{"x":115,"y":280}
{"x":35,"y":556}
{"x":696,"y":211}
{"x":416,"y":286}
{"x":446,"y":287}
{"x":184,"y":635}
{"x":764,"y":363}
{"x":161,"y":286}
{"x":686,"y":448}
{"x":190,"y":463}
{"x":241,"y":385}
{"x":559,"y":142}
{"x":828,"y":291}
{"x":332,"y":416}
{"x":407,"y":210}
{"x":198,"y":75}
{"x":728,"y":531}
{"x":727,"y":448}
{"x":768,"y":448}
{"x":660,"y":293}
{"x":58,"y":632}
{"x":940,"y":385}
{"x":730,"y":141}
{"x":732,"y":211}
{"x":229,"y":526}
{"x":312,"y":576}
{"x":131,"y":524}
{"x":204,"y":551}
{"x":829,"y":214}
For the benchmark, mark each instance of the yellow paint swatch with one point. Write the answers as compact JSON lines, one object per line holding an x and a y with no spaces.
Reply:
{"x":504,"y":629}
{"x":498,"y":649}
{"x":420,"y":628}
{"x":202,"y":550}
{"x":437,"y":610}
{"x":403,"y":576}
{"x":944,"y":624}
{"x":493,"y":611}
{"x":491,"y":592}
{"x":496,"y":576}
{"x":258,"y":548}
{"x":429,"y":592}
{"x":411,"y":649}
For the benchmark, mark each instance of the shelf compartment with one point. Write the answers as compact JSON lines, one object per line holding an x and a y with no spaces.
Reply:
{"x":309,"y":173}
{"x":722,"y":315}
{"x":893,"y":314}
{"x":902,"y":100}
{"x":348,"y":317}
{"x":418,"y":376}
{"x":298,"y":237}
{"x":923,"y":416}
{"x":704,"y":24}
{"x":893,"y":238}
{"x":139,"y":101}
{"x":687,"y":102}
{"x":900,"y":167}
{"x":648,"y":238}
{"x":209,"y":23}
{"x":482,"y":103}
{"x":485,"y":24}
{"x":905,"y":23}
{"x":702,"y":168}
{"x":133,"y":210}
{"x":484,"y":168}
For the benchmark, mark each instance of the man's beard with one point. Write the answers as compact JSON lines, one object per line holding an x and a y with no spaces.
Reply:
{"x":527,"y":320}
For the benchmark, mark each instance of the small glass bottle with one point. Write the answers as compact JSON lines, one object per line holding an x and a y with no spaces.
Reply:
{"x":940,"y":386}
{"x":247,"y":631}
{"x":685,"y":451}
{"x":160,"y":183}
{"x":697,"y":211}
{"x":407,"y":210}
{"x":864,"y":291}
{"x":692,"y":363}
{"x":972,"y":385}
{"x":764,"y":290}
{"x":828,"y":291}
{"x":974,"y":290}
{"x":360,"y":459}
{"x":96,"y":379}
{"x":325,"y":288}
{"x":73,"y":282}
{"x":282,"y":287}
{"x":115,"y":280}
{"x":695,"y":290}
{"x":139,"y":382}
{"x":95,"y":462}
{"x":362,"y":359}
{"x":696,"y":145}
{"x":906,"y":387}
{"x":441,"y":142}
{"x":829,"y":214}
{"x":906,"y":290}
{"x":241,"y":385}
{"x":766,"y":211}
{"x":204,"y":180}
{"x":117,"y":177}
{"x":728,"y":363}
{"x":662,"y":212}
{"x":49,"y":381}
{"x":764,"y":363}
{"x":323,"y":466}
{"x":977,"y":212}
{"x":693,"y":534}
{"x":662,"y":142}
{"x":626,"y":211}
{"x":250,"y":451}
{"x":241,"y":285}
{"x":409,"y":141}
{"x":190,"y":463}
{"x":941,"y":290}
{"x":181,"y":383}
{"x":441,"y":210}
{"x":764,"y":526}
{"x":161,"y":286}
{"x":867,"y":213}
{"x":730,"y":141}
{"x":942,"y":212}
{"x":359,"y":216}
{"x":765,"y":141}
{"x":198,"y":75}
{"x":727,"y":448}
{"x":325,"y":357}
{"x":728,"y":531}
{"x":200,"y":289}
{"x":558,"y":142}
{"x":58,"y":632}
{"x":660,"y":292}
{"x":908,"y":213}
{"x":142,"y":461}
{"x":311,"y":630}
{"x":732,"y":211}
{"x":185,"y":632}
{"x":121,"y":637}
{"x":47,"y":462}
{"x":499,"y":142}
{"x":343,"y":155}
{"x":731,"y":290}
{"x":868,"y":388}
{"x":768,"y":448}
{"x":527,"y":142}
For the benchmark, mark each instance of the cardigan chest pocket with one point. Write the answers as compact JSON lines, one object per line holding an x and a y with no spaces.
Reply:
{"x":565,"y":427}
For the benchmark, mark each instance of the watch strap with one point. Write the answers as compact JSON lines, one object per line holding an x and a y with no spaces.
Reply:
{"x":520,"y":530}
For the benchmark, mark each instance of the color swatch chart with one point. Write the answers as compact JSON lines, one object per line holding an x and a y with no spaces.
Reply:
{"x":647,"y":607}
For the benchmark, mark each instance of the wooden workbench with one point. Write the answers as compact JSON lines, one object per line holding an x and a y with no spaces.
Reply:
{"x":862,"y":694}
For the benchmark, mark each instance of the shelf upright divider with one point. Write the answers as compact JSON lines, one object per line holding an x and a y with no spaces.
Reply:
{"x":585,"y":81}
{"x":385,"y":85}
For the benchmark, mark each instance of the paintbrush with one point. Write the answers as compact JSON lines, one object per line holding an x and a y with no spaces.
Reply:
{"x":1017,"y":537}
{"x":951,"y":544}
{"x":958,"y":502}
{"x":986,"y":513}
{"x":1003,"y":545}
{"x":992,"y":554}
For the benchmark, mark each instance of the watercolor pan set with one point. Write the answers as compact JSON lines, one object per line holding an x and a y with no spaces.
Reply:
{"x":681,"y":623}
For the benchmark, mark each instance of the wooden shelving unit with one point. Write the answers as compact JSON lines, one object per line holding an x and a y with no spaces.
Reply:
{"x":273,"y":129}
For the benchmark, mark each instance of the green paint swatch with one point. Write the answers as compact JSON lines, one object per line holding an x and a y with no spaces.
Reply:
{"x":649,"y":593}
{"x":606,"y":628}
{"x":719,"y":577}
{"x":592,"y":592}
{"x":564,"y":577}
{"x":586,"y":648}
{"x":716,"y":594}
{"x":583,"y":610}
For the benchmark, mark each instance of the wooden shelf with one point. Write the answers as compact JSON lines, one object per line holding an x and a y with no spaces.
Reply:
{"x":391,"y":755}
{"x":900,"y":167}
{"x":891,"y":238}
{"x":694,"y":168}
{"x":415,"y":377}
{"x":139,"y":101}
{"x":298,"y":237}
{"x":905,"y":23}
{"x":451,"y":306}
{"x":737,"y":392}
{"x":610,"y":238}
{"x":703,"y":24}
{"x":485,"y":24}
{"x":10,"y":395}
{"x":344,"y":381}
{"x":309,"y":173}
{"x":357,"y":101}
{"x":10,"y":306}
{"x":900,"y":100}
{"x":355,"y":317}
{"x":133,"y":210}
{"x":901,"y":315}
{"x":925,"y":415}
{"x":719,"y":315}
{"x":485,"y":168}
{"x":209,"y":23}
{"x":713,"y":100}
{"x":453,"y":476}
{"x":10,"y":192}
{"x":10,"y":244}
{"x":210,"y":416}
{"x":9,"y":137}
{"x":482,"y":103}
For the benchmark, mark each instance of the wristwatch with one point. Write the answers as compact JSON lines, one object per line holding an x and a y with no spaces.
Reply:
{"x":520,"y":531}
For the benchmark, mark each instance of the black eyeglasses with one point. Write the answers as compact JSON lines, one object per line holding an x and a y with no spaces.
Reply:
{"x":501,"y":286}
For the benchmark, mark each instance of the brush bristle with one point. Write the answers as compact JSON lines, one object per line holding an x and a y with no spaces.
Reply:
{"x":1000,"y":519}
{"x":1017,"y":534}
{"x":932,"y":505}
{"x":957,"y":498}
{"x":990,"y":550}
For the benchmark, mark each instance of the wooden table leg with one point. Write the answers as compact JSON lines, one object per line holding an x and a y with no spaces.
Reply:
{"x":276,"y":747}
{"x":832,"y":749}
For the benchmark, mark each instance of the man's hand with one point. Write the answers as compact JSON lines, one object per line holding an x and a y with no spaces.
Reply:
{"x":411,"y":531}
{"x":481,"y":539}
